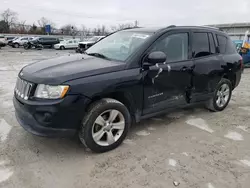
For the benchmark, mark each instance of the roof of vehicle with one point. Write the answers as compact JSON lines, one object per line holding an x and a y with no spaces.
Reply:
{"x":157,"y":29}
{"x":51,"y":37}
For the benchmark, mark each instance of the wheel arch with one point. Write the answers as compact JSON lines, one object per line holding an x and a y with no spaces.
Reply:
{"x":231,"y":77}
{"x":123,"y":97}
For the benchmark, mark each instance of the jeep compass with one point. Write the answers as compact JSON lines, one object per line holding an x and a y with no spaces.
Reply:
{"x":128,"y":76}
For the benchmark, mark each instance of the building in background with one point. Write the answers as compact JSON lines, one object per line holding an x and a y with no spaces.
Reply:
{"x":235,"y":30}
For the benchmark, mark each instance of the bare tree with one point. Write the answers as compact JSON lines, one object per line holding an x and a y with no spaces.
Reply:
{"x":10,"y":17}
{"x":103,"y":30}
{"x":122,"y":26}
{"x":33,"y":29}
{"x":86,"y":31}
{"x":43,"y":22}
{"x":69,"y":29}
{"x":22,"y":26}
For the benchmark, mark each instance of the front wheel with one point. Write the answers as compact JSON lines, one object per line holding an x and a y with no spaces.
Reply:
{"x":221,"y":97}
{"x":105,"y":125}
{"x":16,"y":45}
{"x":62,"y":48}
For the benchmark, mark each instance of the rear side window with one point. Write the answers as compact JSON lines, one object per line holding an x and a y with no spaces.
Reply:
{"x":230,"y":49}
{"x":222,"y":43}
{"x":200,"y":45}
{"x":212,"y":43}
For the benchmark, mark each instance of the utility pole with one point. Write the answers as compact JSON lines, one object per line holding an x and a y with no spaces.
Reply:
{"x":136,"y":23}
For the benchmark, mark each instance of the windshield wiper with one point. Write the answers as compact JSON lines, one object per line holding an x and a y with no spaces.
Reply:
{"x":98,"y":55}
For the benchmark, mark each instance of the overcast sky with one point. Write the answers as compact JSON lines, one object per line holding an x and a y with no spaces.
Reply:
{"x":148,"y":12}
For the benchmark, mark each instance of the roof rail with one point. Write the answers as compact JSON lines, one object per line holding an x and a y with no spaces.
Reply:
{"x":171,"y":26}
{"x":211,"y":27}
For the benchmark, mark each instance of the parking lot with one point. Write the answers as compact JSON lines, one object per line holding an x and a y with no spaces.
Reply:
{"x":187,"y":148}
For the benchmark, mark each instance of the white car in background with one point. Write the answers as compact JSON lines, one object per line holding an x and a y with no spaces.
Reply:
{"x":3,"y":41}
{"x":20,"y":41}
{"x":84,"y":45}
{"x":67,"y":44}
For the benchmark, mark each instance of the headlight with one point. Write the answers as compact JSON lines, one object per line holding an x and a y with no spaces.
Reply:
{"x":50,"y":92}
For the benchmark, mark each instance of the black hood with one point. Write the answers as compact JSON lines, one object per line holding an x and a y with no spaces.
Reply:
{"x":65,"y":68}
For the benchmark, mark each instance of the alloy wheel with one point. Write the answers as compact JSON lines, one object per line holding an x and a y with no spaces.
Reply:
{"x":108,"y":127}
{"x":222,"y":95}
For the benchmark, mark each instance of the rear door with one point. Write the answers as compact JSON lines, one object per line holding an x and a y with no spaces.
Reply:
{"x":70,"y":44}
{"x":169,"y":88}
{"x":42,"y":40}
{"x":75,"y":43}
{"x":206,"y":73}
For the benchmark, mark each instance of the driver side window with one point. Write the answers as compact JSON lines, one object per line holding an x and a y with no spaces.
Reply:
{"x":175,"y":46}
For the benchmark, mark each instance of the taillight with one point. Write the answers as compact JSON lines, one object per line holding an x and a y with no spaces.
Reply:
{"x":241,"y":63}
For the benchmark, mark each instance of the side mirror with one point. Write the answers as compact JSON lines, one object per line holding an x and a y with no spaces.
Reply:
{"x":156,"y":57}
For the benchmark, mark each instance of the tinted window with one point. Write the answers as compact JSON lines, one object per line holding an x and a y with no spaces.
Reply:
{"x":70,"y":42}
{"x":230,"y":47}
{"x":24,"y":39}
{"x":174,"y":46}
{"x":200,"y":45}
{"x":212,"y":44}
{"x":222,"y":43}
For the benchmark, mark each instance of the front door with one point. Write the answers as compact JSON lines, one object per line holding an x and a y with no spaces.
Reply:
{"x":169,"y":89}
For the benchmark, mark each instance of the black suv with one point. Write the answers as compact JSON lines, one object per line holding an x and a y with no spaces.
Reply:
{"x":128,"y":76}
{"x":47,"y":41}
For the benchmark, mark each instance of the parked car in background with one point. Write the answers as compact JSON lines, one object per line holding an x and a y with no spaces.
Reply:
{"x":20,"y":41}
{"x":67,"y":44}
{"x":99,"y":94}
{"x":10,"y":40}
{"x":3,"y":41}
{"x":84,"y":45}
{"x":47,"y":41}
{"x":243,"y":50}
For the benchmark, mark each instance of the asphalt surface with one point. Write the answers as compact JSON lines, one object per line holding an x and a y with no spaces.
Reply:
{"x":187,"y":148}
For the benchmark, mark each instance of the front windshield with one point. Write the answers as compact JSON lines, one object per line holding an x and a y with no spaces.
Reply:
{"x":63,"y":41}
{"x":33,"y":39}
{"x":119,"y":46}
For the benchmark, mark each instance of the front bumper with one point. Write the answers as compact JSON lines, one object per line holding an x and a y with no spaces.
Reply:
{"x":64,"y":121}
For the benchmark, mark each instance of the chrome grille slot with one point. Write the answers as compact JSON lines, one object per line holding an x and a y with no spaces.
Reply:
{"x":23,"y":89}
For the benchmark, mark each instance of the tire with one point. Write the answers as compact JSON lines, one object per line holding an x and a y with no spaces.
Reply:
{"x":99,"y":109}
{"x":62,"y":48}
{"x":212,"y":104}
{"x":26,"y":46}
{"x":16,"y":45}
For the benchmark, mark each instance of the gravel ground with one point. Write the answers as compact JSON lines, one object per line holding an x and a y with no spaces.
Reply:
{"x":187,"y":148}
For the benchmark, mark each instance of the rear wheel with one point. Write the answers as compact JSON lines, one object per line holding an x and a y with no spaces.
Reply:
{"x":221,"y":97}
{"x":62,"y":48}
{"x":105,"y":125}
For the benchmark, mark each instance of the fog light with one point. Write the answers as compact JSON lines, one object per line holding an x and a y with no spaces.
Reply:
{"x":47,"y":117}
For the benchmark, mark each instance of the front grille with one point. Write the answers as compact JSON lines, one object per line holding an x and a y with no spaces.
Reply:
{"x":23,"y":89}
